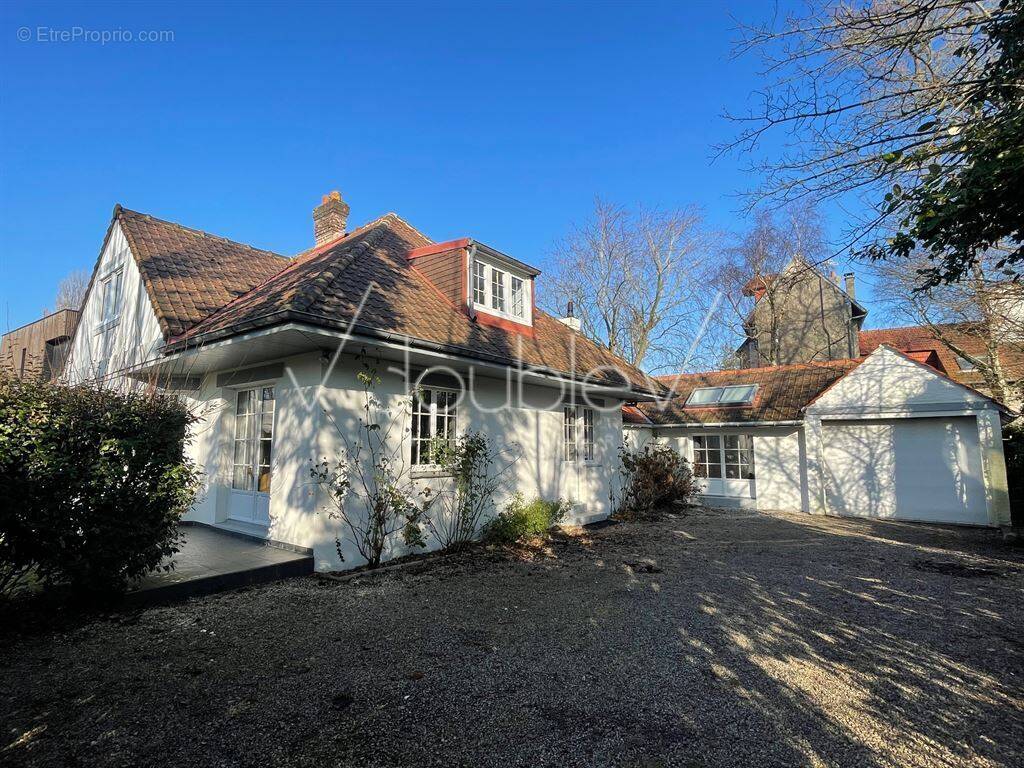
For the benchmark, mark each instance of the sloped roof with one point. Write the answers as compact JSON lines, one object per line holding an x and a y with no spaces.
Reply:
{"x":189,"y":273}
{"x":921,"y":338}
{"x":207,"y":288}
{"x":783,"y":391}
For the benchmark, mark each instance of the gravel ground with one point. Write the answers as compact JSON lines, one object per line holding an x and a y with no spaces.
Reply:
{"x":710,"y":639}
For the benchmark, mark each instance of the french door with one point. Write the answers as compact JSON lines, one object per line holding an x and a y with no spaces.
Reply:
{"x":252,"y":453}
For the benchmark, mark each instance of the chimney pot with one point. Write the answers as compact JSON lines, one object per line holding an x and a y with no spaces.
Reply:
{"x":850,"y":285}
{"x":329,"y":218}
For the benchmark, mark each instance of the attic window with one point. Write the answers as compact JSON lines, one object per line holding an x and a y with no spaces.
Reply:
{"x":499,"y":292}
{"x":742,"y":394}
{"x":969,"y":365}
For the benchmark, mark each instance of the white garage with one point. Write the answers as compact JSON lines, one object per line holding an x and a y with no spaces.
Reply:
{"x":885,"y":437}
{"x":897,"y":440}
{"x":926,"y":469}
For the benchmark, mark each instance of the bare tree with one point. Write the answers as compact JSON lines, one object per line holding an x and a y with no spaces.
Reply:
{"x":753,"y":274}
{"x":633,"y":279}
{"x":979,"y":318}
{"x":888,"y":101}
{"x":71,"y":290}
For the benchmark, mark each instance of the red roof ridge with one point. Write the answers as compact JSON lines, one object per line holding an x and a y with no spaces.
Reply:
{"x":786,"y":367}
{"x":923,"y":328}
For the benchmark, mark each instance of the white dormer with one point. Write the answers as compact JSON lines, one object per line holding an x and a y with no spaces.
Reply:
{"x":488,"y":285}
{"x":500,"y":285}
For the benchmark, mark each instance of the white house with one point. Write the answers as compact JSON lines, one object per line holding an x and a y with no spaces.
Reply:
{"x":883,"y":437}
{"x":268,"y":350}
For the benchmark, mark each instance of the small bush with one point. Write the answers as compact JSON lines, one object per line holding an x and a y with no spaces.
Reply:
{"x":654,"y":478}
{"x":522,"y":520}
{"x":94,"y":483}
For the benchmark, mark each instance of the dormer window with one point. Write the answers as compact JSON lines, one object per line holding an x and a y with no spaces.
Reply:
{"x":491,"y":286}
{"x":498,"y":291}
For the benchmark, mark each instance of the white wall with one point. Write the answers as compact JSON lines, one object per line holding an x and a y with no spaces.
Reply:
{"x":529,"y":431}
{"x":887,"y":385}
{"x":780,"y":478}
{"x":137,"y":336}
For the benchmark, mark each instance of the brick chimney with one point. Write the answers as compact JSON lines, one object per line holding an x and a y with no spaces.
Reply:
{"x":329,"y":218}
{"x":850,"y":286}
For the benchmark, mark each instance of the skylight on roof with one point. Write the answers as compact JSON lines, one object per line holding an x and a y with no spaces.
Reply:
{"x":742,"y":394}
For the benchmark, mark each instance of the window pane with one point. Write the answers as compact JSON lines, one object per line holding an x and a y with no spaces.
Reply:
{"x":517,"y":297}
{"x":241,"y":478}
{"x":731,"y":441}
{"x":243,"y":402}
{"x":732,"y":457}
{"x":479,"y":282}
{"x":267,"y":425}
{"x":704,"y":396}
{"x":714,"y":442}
{"x":732,"y":471}
{"x":698,"y":441}
{"x":263,"y":484}
{"x":739,"y":394}
{"x":714,"y":470}
{"x":498,"y":289}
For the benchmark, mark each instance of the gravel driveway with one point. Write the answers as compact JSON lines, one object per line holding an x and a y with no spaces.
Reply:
{"x":710,"y":639}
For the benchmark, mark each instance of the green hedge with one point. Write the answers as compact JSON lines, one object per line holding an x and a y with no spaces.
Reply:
{"x":94,"y":483}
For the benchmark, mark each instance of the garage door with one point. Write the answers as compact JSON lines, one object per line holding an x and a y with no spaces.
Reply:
{"x":905,"y":469}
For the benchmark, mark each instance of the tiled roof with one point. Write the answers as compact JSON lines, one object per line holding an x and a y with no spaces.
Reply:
{"x":189,"y":273}
{"x":921,"y":339}
{"x":783,"y":391}
{"x":326,"y":285}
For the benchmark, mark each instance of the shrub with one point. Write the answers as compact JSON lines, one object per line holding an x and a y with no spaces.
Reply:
{"x":459,"y":506}
{"x":522,"y":520}
{"x":654,"y":478}
{"x":94,"y":484}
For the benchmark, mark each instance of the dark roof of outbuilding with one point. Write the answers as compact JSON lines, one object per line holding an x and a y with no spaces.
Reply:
{"x":783,"y":392}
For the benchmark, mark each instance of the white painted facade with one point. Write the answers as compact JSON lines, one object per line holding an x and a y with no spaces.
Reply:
{"x":119,"y":342}
{"x":313,"y":405}
{"x":893,"y":439}
{"x":114,"y":335}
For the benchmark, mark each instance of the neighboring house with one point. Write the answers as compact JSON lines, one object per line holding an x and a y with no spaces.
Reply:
{"x":800,"y":316}
{"x":266,"y":347}
{"x":39,"y":349}
{"x":885,"y":436}
{"x":921,"y":343}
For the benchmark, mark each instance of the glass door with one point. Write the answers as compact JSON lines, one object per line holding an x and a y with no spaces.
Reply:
{"x":252,"y":454}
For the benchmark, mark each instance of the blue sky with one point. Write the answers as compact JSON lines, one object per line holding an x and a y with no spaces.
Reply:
{"x":501,"y":122}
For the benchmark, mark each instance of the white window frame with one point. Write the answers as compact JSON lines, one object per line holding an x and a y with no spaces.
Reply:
{"x":111,"y":294}
{"x":419,"y":443}
{"x":570,"y":427}
{"x":479,"y":283}
{"x":498,"y":302}
{"x":742,"y":446}
{"x":497,"y":291}
{"x":579,"y":435}
{"x":252,"y":436}
{"x":517,"y":302}
{"x":110,"y":304}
